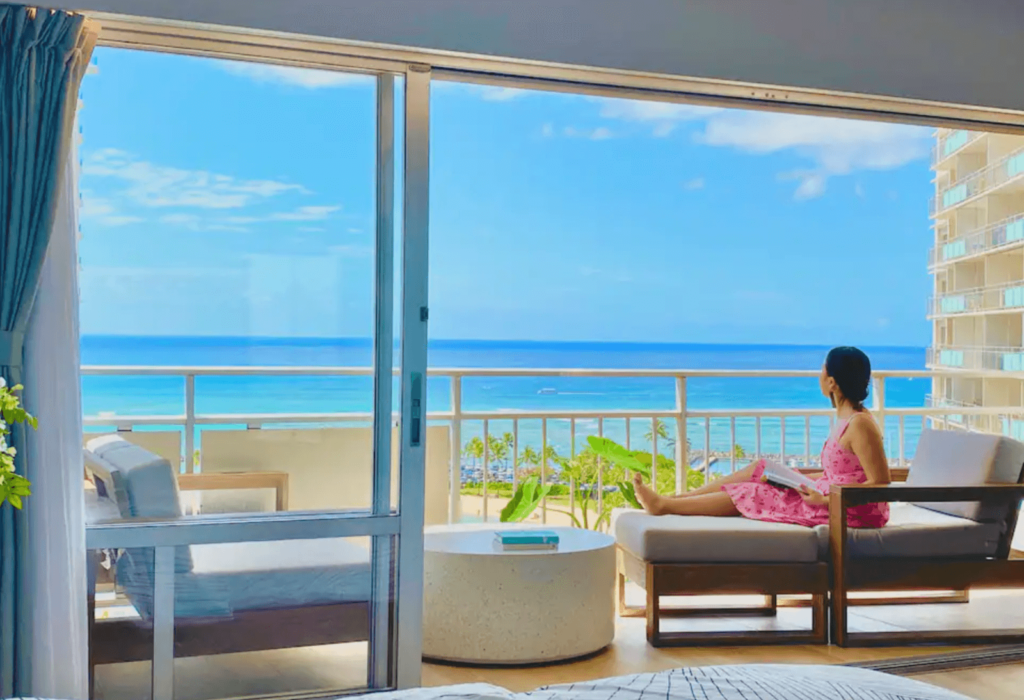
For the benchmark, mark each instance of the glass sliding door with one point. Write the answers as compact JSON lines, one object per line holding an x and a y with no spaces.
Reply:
{"x":254,"y":265}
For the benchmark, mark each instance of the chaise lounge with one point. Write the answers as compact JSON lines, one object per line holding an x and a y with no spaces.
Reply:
{"x":929,"y":544}
{"x":244,"y":596}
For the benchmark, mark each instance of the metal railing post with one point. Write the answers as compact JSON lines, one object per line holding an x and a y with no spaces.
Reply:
{"x":572,"y":455}
{"x":487,"y":455}
{"x":682,"y":454}
{"x":654,"y":454}
{"x":732,"y":446}
{"x":515,"y":455}
{"x":455,"y":471}
{"x":190,"y":422}
{"x":544,"y":468}
{"x":600,"y":470}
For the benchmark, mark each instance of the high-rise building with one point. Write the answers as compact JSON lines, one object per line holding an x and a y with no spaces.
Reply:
{"x":978,"y":266}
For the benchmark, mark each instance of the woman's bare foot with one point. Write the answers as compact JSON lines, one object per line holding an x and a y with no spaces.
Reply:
{"x":652,"y":502}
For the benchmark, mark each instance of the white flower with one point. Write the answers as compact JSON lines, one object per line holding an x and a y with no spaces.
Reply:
{"x":3,"y":382}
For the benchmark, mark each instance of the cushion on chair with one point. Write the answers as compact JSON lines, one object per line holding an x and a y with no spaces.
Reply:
{"x":682,"y":539}
{"x":149,"y":482}
{"x":959,"y":458}
{"x":142,"y":485}
{"x":913,"y":531}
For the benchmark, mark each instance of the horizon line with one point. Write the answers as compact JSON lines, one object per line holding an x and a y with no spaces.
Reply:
{"x":495,"y":342}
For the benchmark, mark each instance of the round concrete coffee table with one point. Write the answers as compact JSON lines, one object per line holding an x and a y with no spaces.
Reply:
{"x":482,"y":605}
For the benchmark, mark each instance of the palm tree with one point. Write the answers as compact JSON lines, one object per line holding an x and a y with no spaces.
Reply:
{"x":738,"y":451}
{"x":474,"y":450}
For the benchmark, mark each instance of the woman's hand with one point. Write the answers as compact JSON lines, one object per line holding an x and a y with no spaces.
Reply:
{"x":812,"y":497}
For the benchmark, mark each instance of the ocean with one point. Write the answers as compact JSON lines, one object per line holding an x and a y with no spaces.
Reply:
{"x":139,"y":395}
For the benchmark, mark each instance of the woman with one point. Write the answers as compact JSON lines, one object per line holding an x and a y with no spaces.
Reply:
{"x":853,"y":454}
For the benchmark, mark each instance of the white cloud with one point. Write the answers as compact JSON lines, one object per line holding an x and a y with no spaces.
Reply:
{"x":812,"y":183}
{"x":600,"y":133}
{"x":490,"y":93}
{"x":195,"y":222}
{"x":858,"y":190}
{"x":696,"y":183}
{"x":309,"y":213}
{"x":547,"y":131}
{"x":154,"y":185}
{"x":103,"y":212}
{"x":206,"y":222}
{"x":493,"y":93}
{"x":834,"y":146}
{"x":664,"y":117}
{"x":308,"y":78}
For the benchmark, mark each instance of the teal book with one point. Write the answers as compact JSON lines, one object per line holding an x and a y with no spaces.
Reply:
{"x":527,"y":538}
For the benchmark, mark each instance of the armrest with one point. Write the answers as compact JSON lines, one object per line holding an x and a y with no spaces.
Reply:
{"x":842,"y":497}
{"x":846,"y":495}
{"x":239,"y":480}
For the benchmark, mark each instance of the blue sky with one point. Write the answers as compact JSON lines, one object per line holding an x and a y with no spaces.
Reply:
{"x":236,"y":199}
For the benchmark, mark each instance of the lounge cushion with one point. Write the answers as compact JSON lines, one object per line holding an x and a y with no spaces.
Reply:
{"x":676,"y":538}
{"x":959,"y":458}
{"x":913,"y":531}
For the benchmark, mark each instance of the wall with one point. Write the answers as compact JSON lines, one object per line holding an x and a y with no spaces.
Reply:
{"x":958,"y":51}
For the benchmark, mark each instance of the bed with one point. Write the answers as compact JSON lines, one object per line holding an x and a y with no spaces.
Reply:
{"x":740,"y":682}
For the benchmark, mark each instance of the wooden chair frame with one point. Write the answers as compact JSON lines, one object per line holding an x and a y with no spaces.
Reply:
{"x":769,"y":580}
{"x":926,"y":573}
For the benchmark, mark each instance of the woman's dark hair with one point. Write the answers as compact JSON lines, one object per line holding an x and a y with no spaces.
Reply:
{"x":851,"y":370}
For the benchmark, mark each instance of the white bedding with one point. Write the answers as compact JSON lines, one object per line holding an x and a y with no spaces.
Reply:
{"x":744,"y":682}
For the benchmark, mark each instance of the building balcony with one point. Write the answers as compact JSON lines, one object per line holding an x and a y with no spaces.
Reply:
{"x":950,"y":143}
{"x":978,"y":359}
{"x":1005,"y":173}
{"x":1005,"y":234}
{"x":1003,"y":298}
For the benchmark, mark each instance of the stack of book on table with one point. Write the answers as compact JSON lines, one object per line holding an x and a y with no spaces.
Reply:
{"x":526,"y":540}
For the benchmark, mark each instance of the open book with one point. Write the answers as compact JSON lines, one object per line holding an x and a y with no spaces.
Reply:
{"x":784,"y":477}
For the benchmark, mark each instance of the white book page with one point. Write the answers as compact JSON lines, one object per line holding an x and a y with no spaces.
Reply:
{"x":785,"y":477}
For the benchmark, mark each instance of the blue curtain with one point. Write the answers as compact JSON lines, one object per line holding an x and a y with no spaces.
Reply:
{"x":42,"y":57}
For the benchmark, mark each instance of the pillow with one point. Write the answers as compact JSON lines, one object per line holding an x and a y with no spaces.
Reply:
{"x":960,"y":458}
{"x":144,"y":486}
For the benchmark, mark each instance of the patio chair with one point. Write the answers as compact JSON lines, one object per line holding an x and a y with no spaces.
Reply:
{"x":965,"y":484}
{"x":925,"y":546}
{"x":245,"y":596}
{"x":671,"y":555}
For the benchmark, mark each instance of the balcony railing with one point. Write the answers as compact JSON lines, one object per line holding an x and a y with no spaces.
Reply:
{"x":991,"y":238}
{"x":1005,"y":359}
{"x":1004,"y":297}
{"x":792,"y":435}
{"x":948,"y":144}
{"x":999,"y":173}
{"x":965,"y":415}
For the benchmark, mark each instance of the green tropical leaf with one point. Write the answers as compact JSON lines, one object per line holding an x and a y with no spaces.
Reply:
{"x":614,"y":452}
{"x":629,"y":493}
{"x":524,"y":501}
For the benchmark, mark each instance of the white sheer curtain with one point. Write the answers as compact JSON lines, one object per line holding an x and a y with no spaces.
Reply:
{"x":57,"y":574}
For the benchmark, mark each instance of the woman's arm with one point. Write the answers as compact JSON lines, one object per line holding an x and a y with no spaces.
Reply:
{"x":866,"y":442}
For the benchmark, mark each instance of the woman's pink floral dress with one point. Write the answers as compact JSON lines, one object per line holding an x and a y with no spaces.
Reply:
{"x":760,"y":501}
